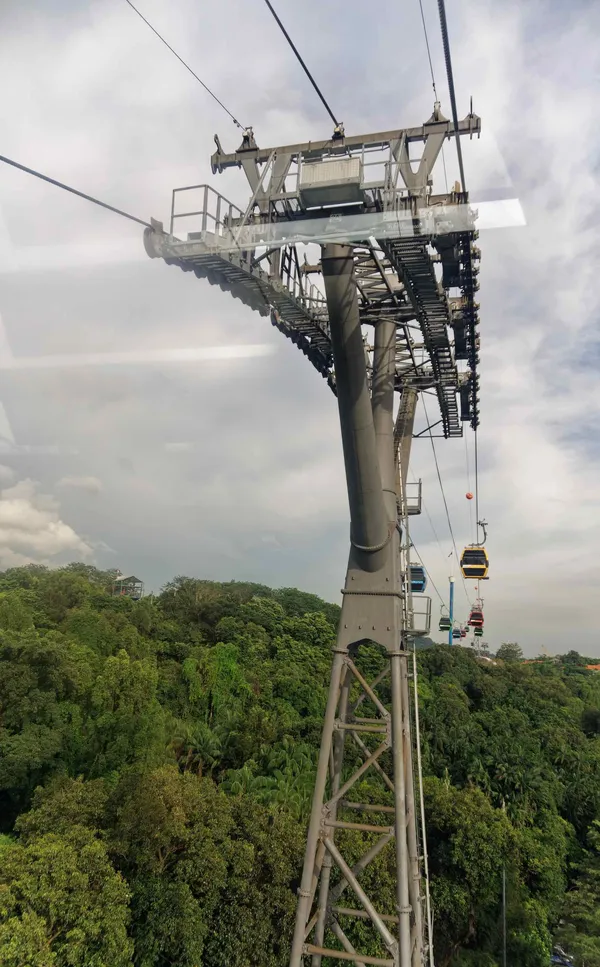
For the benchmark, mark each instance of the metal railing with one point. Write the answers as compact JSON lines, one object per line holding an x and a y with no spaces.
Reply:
{"x":306,"y":292}
{"x":216,"y":213}
{"x":218,"y":226}
{"x":414,"y":497}
{"x":419,"y":616}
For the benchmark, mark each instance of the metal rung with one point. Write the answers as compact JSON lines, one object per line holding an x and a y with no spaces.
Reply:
{"x":232,"y":271}
{"x":367,"y":721}
{"x":357,"y":727}
{"x":310,"y":948}
{"x":363,"y":827}
{"x":367,"y":807}
{"x":362,"y":914}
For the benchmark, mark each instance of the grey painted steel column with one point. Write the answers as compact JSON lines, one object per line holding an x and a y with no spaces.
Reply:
{"x":367,"y":511}
{"x":414,"y":883}
{"x":402,"y":866}
{"x":410,"y":397}
{"x":384,"y":367}
{"x":316,"y":816}
{"x":383,"y":401}
{"x":384,"y":370}
{"x":339,"y":738}
{"x":404,"y":449}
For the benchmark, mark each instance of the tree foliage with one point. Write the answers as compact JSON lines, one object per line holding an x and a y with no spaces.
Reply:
{"x":510,"y":651}
{"x":157,"y":760}
{"x":62,"y":903}
{"x":580,"y":922}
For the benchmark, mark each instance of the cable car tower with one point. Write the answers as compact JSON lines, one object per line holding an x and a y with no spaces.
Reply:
{"x":398,"y":262}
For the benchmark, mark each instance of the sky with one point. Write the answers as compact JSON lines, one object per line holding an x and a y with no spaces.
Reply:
{"x":231,"y":468}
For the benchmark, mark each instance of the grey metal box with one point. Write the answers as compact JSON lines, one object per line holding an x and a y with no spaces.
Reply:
{"x":331,"y":183}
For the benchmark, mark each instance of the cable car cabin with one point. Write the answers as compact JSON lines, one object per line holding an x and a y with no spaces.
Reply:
{"x":475,"y":563}
{"x":478,"y":632}
{"x":418,"y":578}
{"x":445,"y":624}
{"x":476,"y":618}
{"x":463,"y":633}
{"x":456,"y":633}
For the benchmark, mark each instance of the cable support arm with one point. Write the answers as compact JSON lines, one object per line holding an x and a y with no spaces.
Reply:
{"x":483,"y":525}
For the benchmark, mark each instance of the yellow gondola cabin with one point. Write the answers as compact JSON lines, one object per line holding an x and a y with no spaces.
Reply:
{"x":475,"y":563}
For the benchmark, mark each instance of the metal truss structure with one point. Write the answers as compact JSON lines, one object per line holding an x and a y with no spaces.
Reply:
{"x":402,"y":237}
{"x":395,"y":257}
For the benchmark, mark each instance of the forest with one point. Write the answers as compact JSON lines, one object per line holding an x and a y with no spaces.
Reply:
{"x":157,"y":760}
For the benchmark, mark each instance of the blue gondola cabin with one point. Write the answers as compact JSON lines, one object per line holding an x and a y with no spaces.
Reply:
{"x":418,"y":579}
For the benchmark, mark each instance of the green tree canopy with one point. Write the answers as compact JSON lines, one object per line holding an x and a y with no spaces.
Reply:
{"x":159,"y":757}
{"x":62,"y":904}
{"x":579,"y":929}
{"x":510,"y":651}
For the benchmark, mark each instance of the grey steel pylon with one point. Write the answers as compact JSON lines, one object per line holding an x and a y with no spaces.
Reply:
{"x":399,"y":259}
{"x":376,"y":608}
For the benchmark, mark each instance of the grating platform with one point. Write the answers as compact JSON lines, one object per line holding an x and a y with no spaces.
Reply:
{"x":400,"y":234}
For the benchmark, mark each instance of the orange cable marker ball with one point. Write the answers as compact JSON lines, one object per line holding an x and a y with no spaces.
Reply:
{"x":469,"y":496}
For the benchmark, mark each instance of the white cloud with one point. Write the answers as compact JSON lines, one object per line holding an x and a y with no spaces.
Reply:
{"x":262,"y":455}
{"x":184,"y":446}
{"x":90,"y":484}
{"x":7,"y":474}
{"x":31,"y":529}
{"x":539,"y":308}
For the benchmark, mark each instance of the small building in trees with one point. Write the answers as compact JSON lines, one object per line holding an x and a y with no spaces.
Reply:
{"x":127,"y":585}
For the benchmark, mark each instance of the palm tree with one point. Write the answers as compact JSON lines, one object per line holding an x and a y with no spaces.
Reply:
{"x":244,"y":780}
{"x":197,"y":749}
{"x":478,"y":775}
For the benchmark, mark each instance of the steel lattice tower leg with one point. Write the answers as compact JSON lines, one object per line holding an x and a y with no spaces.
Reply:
{"x":373,"y":610}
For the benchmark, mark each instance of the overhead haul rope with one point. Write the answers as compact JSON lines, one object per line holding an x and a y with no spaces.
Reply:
{"x":302,"y":64}
{"x":472,"y":532}
{"x":74,"y":191}
{"x":187,"y":66}
{"x":476,"y":480}
{"x":429,"y":577}
{"x":435,"y":534}
{"x":433,"y":84}
{"x":451,"y":91}
{"x":439,"y":476}
{"x":477,"y":498}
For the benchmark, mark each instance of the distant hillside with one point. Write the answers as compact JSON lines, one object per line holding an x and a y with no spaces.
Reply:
{"x":421,"y":643}
{"x":157,"y":762}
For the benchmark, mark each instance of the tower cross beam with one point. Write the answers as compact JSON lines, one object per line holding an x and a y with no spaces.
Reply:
{"x":316,"y":150}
